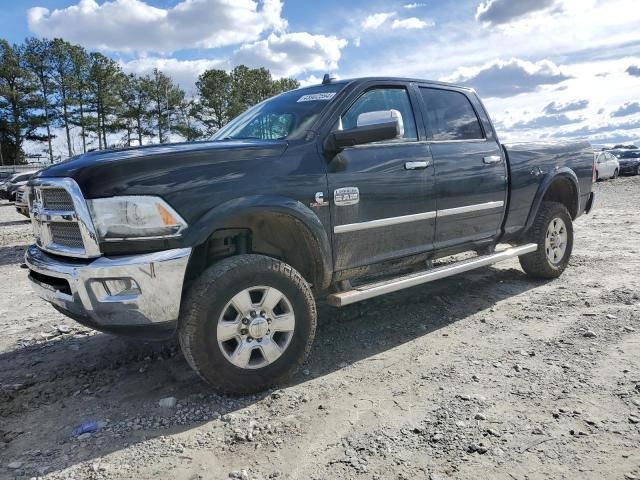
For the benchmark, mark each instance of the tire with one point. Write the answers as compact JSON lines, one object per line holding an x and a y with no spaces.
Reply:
{"x":547,"y":262}
{"x":615,"y":174}
{"x":597,"y":176}
{"x":209,"y":315}
{"x":638,"y":170}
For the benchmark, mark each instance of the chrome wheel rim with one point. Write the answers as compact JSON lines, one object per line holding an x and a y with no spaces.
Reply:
{"x":256,"y":327}
{"x":555,"y":243}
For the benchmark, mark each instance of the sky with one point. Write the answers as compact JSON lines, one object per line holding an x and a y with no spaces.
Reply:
{"x":545,"y":69}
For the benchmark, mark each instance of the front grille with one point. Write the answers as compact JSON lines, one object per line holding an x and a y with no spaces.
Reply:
{"x":67,"y":234}
{"x":19,"y":196}
{"x":56,"y":199}
{"x":60,"y":219}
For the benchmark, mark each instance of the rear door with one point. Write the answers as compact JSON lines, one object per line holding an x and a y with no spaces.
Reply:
{"x":471,"y":172}
{"x":382,"y":194}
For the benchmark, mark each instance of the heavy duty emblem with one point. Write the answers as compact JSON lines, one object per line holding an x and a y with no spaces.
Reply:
{"x":320,"y":202}
{"x":346,"y":196}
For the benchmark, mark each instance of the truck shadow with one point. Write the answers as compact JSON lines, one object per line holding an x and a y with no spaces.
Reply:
{"x":13,"y":223}
{"x":47,"y":388}
{"x":13,"y":254}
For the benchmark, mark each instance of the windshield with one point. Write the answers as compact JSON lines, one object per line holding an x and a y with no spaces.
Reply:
{"x":628,"y":154}
{"x":286,"y":116}
{"x":20,"y":177}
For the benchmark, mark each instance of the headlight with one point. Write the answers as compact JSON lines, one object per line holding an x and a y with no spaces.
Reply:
{"x":117,"y":218}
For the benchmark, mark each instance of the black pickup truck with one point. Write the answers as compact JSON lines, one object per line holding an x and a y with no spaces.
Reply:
{"x":343,"y":191}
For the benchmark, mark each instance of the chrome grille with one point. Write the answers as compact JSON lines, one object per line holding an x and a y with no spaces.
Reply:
{"x":56,"y":199}
{"x":67,"y":234}
{"x":60,"y":218}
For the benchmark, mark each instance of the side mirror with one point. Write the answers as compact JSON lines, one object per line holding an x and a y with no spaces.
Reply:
{"x":371,"y":127}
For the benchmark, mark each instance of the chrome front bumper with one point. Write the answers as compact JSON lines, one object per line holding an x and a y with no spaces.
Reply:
{"x":135,"y":295}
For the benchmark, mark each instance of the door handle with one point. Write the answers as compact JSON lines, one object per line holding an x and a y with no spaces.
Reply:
{"x":492,"y":159}
{"x":416,"y":165}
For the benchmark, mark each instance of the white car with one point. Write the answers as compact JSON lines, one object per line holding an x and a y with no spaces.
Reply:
{"x":607,"y":165}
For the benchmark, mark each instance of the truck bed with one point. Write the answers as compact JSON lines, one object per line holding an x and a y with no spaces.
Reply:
{"x":532,"y":165}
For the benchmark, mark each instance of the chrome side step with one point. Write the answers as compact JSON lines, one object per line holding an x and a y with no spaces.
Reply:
{"x":364,"y":292}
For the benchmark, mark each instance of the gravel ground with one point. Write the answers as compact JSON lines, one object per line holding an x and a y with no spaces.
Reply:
{"x":486,"y":375}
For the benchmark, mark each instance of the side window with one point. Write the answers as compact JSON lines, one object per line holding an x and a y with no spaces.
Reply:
{"x":450,"y":115}
{"x":383,"y":99}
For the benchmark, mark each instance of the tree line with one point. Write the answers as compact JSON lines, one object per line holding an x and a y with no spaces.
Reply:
{"x":52,"y":87}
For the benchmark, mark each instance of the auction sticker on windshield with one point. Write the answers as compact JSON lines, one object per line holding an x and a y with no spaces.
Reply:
{"x":314,"y":97}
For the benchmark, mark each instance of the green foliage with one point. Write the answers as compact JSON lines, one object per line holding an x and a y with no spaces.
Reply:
{"x":224,"y":96}
{"x":19,"y":119}
{"x":48,"y":86}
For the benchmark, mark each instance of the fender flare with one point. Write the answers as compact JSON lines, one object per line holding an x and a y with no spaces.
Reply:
{"x":222,"y":215}
{"x":545,"y":184}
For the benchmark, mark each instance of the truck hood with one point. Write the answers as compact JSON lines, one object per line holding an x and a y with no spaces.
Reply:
{"x":130,"y":170}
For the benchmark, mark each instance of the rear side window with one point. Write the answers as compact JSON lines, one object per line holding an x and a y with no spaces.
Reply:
{"x":450,"y":115}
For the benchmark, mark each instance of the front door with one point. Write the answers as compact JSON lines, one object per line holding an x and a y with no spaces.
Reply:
{"x":471,"y":172}
{"x":382,"y":194}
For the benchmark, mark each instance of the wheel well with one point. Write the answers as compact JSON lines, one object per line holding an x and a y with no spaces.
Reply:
{"x":564,"y":191}
{"x":272,"y":234}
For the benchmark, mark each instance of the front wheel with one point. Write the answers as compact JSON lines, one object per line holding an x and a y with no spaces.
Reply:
{"x":552,"y":231}
{"x":247,"y":323}
{"x":615,"y":174}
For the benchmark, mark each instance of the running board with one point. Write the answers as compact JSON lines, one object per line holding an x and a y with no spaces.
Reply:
{"x":364,"y":292}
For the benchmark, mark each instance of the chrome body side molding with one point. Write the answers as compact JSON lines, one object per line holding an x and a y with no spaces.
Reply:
{"x":470,"y":208}
{"x":385,"y":222}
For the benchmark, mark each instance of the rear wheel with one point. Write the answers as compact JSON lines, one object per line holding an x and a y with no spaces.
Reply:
{"x":552,"y":231}
{"x":247,"y":323}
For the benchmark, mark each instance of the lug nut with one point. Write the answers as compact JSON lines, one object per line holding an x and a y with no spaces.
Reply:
{"x":249,"y":339}
{"x":245,"y":321}
{"x":259,"y":339}
{"x":269,"y":321}
{"x":263,"y":313}
{"x":253,"y":313}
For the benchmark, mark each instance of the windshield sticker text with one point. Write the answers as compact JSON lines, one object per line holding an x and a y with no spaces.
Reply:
{"x":314,"y":97}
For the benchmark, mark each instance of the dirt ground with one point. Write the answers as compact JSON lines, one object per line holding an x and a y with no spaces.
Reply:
{"x":486,"y":375}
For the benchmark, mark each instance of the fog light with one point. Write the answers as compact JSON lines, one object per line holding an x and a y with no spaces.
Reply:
{"x":117,"y":287}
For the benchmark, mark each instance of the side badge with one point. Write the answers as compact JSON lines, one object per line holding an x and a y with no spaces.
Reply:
{"x":346,"y":196}
{"x":319,"y":200}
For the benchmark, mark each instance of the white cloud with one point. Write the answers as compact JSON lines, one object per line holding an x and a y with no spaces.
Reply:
{"x":497,"y":12}
{"x":183,"y":72}
{"x":135,"y":25}
{"x":410,"y":23}
{"x":500,"y":78}
{"x":376,"y":20}
{"x":414,"y":5}
{"x":290,"y":54}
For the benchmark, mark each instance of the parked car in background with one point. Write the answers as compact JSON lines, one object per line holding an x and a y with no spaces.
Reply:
{"x":21,"y":204}
{"x":9,"y":188}
{"x":4,"y":176}
{"x":629,"y":161}
{"x":607,"y":165}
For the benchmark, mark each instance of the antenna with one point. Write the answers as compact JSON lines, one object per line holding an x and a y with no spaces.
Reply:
{"x":327,"y":79}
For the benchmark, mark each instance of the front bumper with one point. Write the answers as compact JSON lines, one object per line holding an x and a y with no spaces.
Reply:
{"x":130,"y":295}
